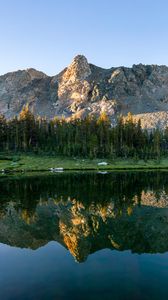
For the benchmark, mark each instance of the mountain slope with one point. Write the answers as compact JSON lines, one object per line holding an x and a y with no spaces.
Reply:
{"x":83,"y":89}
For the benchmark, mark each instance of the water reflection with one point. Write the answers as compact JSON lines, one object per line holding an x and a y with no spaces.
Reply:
{"x":86,"y":212}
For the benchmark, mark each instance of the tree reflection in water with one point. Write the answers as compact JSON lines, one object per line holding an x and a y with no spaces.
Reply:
{"x":86,"y":212}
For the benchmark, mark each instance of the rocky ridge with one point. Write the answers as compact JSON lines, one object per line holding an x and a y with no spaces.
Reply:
{"x":83,"y":88}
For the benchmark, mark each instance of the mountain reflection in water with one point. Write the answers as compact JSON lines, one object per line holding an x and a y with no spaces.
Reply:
{"x":86,"y":212}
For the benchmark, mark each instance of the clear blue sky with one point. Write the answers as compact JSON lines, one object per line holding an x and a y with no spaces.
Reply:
{"x":47,"y":34}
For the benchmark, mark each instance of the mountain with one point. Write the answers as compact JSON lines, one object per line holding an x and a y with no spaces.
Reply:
{"x":83,"y":88}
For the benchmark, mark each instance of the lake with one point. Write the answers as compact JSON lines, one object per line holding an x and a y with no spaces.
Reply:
{"x":84,"y":236}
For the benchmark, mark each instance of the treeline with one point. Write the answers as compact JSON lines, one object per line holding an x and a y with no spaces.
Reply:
{"x":89,"y":137}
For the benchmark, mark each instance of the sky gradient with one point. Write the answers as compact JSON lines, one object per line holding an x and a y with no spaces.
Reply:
{"x":47,"y":34}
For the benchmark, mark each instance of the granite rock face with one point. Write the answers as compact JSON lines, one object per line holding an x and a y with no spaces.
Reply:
{"x":83,"y":88}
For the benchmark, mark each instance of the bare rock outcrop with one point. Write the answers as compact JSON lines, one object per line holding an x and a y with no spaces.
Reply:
{"x":83,"y":88}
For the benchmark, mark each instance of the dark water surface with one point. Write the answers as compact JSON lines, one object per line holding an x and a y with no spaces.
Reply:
{"x":84,"y":236}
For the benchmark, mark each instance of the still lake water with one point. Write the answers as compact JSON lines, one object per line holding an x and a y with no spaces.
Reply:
{"x":84,"y":236}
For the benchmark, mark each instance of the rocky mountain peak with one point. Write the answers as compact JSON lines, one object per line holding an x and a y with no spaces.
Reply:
{"x":84,"y":89}
{"x":79,"y":69}
{"x":34,"y":74}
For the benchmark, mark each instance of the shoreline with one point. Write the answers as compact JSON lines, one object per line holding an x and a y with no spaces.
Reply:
{"x":49,"y":164}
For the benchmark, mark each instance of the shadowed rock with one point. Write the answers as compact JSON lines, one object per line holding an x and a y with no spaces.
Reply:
{"x":83,"y":88}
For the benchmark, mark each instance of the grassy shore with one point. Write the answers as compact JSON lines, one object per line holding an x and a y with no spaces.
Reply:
{"x":31,"y":163}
